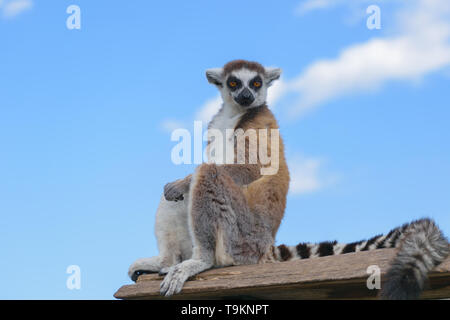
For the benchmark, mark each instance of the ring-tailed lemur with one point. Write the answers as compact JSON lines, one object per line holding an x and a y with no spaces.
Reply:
{"x":228,"y":214}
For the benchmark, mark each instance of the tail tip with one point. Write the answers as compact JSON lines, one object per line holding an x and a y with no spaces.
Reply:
{"x":401,"y":286}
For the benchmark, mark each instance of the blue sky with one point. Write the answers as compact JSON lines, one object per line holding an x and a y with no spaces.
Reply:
{"x":85,"y":119}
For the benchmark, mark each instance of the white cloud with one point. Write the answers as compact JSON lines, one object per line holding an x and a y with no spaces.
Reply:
{"x":170,"y":125}
{"x":419,"y":46}
{"x":276,"y":92}
{"x":307,"y":176}
{"x":311,"y":5}
{"x":12,"y":8}
{"x":209,"y":109}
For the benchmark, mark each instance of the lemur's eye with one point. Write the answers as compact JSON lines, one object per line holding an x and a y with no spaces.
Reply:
{"x":233,"y":83}
{"x":256,"y":83}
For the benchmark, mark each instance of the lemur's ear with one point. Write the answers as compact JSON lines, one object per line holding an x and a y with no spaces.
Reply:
{"x":215,"y":76}
{"x":272,"y":74}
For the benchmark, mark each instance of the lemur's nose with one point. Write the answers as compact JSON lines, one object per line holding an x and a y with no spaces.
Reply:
{"x":245,"y":98}
{"x":246,"y":94}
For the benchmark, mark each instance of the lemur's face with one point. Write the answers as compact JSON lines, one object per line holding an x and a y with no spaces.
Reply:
{"x":243,"y":87}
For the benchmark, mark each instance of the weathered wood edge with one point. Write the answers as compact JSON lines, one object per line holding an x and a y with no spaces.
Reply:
{"x":333,"y":277}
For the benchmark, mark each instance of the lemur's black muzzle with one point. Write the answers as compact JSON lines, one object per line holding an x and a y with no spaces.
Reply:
{"x":245,"y":98}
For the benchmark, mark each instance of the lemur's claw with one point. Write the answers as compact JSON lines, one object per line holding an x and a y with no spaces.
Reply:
{"x":138,"y":273}
{"x":163,"y":271}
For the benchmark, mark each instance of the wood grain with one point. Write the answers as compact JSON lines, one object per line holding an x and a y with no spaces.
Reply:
{"x":332,"y":277}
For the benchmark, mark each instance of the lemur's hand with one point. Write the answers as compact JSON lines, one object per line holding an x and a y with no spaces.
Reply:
{"x":173,"y":191}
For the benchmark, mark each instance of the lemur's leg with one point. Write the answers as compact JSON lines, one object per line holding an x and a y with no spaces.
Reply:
{"x":174,"y":242}
{"x":224,"y":231}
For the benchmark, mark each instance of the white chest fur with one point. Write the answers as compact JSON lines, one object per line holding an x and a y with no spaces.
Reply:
{"x":224,"y":122}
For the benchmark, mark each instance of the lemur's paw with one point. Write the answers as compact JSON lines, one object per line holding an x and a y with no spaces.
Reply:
{"x":173,"y":281}
{"x":173,"y":192}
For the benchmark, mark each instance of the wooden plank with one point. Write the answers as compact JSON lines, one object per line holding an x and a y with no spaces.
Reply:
{"x":332,"y":277}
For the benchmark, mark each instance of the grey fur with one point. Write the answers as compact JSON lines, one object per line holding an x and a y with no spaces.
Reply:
{"x":174,"y":240}
{"x":421,"y":249}
{"x":224,"y":230}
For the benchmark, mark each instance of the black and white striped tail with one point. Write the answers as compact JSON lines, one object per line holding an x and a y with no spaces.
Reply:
{"x":422,"y":249}
{"x":328,"y":248}
{"x":421,"y":244}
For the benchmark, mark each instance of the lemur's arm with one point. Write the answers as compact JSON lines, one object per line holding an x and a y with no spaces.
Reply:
{"x":173,"y":191}
{"x":242,"y":174}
